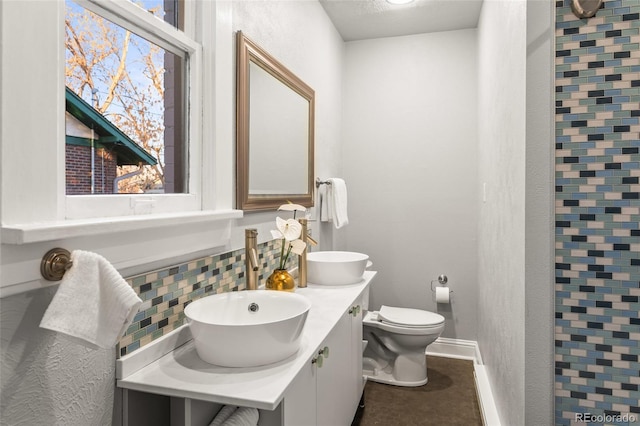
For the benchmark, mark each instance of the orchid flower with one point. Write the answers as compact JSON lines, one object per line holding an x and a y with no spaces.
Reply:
{"x":290,"y":228}
{"x":289,"y":232}
{"x":291,"y":207}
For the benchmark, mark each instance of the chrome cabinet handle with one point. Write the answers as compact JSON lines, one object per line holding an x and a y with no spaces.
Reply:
{"x":317,"y":361}
{"x":322,"y":354}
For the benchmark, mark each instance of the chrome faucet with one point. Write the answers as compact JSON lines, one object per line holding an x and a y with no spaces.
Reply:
{"x":251,"y":258}
{"x":302,"y":259}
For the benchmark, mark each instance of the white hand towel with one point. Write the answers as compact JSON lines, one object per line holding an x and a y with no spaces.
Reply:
{"x":243,"y":416}
{"x":324,"y":204}
{"x":338,"y":202}
{"x":93,"y":303}
{"x":224,"y":413}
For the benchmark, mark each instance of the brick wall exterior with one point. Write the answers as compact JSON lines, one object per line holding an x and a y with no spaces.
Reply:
{"x":78,"y":170}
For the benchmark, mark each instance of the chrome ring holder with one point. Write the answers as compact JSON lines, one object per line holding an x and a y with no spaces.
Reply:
{"x":442,"y":279}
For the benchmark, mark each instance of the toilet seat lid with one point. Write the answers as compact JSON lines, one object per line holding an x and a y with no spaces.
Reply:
{"x":409,"y":317}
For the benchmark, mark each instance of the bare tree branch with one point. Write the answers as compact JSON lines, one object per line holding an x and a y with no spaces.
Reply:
{"x":100,"y":55}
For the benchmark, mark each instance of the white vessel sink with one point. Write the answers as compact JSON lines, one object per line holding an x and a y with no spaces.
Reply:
{"x":247,"y":328}
{"x":335,"y":267}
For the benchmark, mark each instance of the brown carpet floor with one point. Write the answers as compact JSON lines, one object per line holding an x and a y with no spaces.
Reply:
{"x":449,"y":398}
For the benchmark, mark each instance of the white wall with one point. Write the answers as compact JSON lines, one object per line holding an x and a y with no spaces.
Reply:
{"x":501,"y":248}
{"x":410,"y":162}
{"x":46,"y":377}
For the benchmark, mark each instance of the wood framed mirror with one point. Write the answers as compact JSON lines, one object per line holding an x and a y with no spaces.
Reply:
{"x":274,"y":132}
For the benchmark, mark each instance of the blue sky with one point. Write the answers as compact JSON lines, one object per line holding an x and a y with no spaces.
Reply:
{"x":134,"y":66}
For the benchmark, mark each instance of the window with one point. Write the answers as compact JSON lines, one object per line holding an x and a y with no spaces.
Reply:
{"x":35,"y":210}
{"x":129,"y":116}
{"x":170,"y":11}
{"x":33,"y":138}
{"x":124,"y":127}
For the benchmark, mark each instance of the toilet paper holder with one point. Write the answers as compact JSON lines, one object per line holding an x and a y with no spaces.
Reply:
{"x":442,"y":279}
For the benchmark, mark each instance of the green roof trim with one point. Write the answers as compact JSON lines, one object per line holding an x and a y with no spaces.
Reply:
{"x":128,"y":152}
{"x":80,"y":141}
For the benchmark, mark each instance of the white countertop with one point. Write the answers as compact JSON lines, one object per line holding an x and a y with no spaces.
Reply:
{"x":182,"y":373}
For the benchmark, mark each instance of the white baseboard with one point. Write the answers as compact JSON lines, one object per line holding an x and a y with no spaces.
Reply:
{"x":485,"y":397}
{"x":455,"y":348}
{"x":468,"y":349}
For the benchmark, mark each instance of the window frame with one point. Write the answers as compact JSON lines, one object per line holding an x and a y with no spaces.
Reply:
{"x":32,"y":130}
{"x":181,"y":43}
{"x":32,"y":153}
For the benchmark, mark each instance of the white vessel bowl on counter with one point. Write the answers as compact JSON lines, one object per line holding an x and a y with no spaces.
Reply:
{"x":335,"y":267}
{"x":247,"y":328}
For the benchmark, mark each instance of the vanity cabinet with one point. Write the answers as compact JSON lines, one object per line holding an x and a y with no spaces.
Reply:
{"x":326,"y":391}
{"x":322,"y":392}
{"x":177,"y":388}
{"x":335,"y":385}
{"x":330,"y":386}
{"x":357,"y":348}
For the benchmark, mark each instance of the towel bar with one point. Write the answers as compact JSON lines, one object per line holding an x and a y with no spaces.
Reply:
{"x":322,"y":182}
{"x":55,"y":263}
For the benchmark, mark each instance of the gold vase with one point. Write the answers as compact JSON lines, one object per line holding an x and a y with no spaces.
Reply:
{"x":281,"y":280}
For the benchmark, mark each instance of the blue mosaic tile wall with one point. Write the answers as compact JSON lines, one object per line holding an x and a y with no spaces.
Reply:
{"x":597,"y":214}
{"x":166,"y":292}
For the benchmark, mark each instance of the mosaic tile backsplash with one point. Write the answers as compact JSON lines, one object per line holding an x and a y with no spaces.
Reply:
{"x":166,"y":292}
{"x":598,"y":214}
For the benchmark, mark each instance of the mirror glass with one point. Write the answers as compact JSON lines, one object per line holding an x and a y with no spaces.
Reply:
{"x":274,"y":132}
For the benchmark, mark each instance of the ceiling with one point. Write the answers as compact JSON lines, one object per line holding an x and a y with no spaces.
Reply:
{"x":365,"y":19}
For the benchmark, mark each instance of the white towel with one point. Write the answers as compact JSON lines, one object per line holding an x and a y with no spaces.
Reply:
{"x":337,"y":195}
{"x":93,"y":303}
{"x":243,"y":416}
{"x":224,"y":413}
{"x":324,"y":201}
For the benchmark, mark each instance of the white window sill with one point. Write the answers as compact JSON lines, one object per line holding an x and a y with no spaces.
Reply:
{"x":49,"y":231}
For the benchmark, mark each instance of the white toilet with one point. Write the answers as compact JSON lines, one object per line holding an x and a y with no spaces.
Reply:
{"x":397,"y":341}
